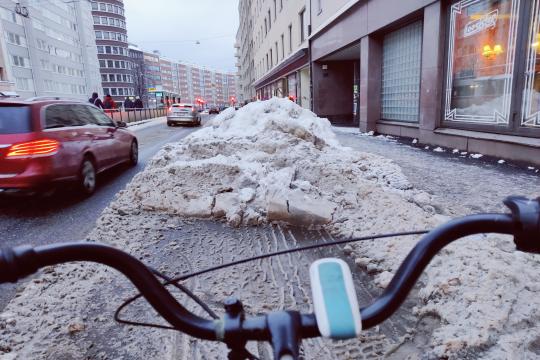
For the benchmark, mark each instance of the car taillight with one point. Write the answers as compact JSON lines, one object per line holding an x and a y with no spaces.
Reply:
{"x":45,"y":147}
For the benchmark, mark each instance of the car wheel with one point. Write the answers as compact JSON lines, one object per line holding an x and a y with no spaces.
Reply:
{"x":169,"y":123}
{"x":87,"y":177}
{"x":134,"y":154}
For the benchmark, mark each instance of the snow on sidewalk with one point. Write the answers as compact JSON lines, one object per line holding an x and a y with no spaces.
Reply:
{"x":143,"y":124}
{"x":274,"y":161}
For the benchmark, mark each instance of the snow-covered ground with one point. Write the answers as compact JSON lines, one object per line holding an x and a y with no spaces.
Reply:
{"x":143,"y":124}
{"x":273,"y":161}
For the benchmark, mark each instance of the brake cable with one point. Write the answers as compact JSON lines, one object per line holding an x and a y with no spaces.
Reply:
{"x":175,"y":281}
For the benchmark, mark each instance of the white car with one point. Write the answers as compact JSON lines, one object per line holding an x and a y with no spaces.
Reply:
{"x":183,"y":114}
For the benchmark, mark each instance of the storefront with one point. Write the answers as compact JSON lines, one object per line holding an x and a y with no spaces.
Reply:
{"x":286,"y":80}
{"x":461,"y":74}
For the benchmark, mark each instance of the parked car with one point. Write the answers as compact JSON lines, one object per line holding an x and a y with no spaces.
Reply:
{"x":183,"y":114}
{"x":47,"y":142}
{"x":213,"y":110}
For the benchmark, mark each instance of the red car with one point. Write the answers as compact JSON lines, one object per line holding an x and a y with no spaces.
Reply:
{"x":46,"y":142}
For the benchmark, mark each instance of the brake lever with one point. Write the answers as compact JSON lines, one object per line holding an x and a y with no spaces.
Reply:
{"x":526,"y":215}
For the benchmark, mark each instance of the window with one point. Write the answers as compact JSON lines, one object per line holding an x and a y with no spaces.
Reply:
{"x":269,"y":20}
{"x":271,"y":59}
{"x":530,"y":110}
{"x":481,"y":50}
{"x":99,"y":117}
{"x":283,"y":46}
{"x":58,"y":116}
{"x":265,"y":26}
{"x":99,"y":35}
{"x":111,"y":78}
{"x":102,"y":64}
{"x":280,"y":5}
{"x":275,"y":10}
{"x":15,"y":39}
{"x":20,"y":61}
{"x":81,"y":112}
{"x":302,"y":16}
{"x":400,"y":88}
{"x":277,"y":54}
{"x":100,"y":49}
{"x":290,"y":38}
{"x":24,"y":84}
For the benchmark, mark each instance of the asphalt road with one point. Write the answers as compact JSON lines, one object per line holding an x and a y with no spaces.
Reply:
{"x":67,"y":217}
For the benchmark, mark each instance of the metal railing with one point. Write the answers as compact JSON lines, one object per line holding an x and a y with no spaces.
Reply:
{"x":133,"y":115}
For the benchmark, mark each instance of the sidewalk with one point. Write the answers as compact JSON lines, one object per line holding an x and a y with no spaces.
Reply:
{"x":458,"y":183}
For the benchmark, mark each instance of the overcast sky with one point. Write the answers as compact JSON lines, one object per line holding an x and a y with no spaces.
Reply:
{"x":174,"y":27}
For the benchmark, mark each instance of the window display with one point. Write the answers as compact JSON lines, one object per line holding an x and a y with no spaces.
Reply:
{"x":481,"y":52}
{"x":531,"y":92}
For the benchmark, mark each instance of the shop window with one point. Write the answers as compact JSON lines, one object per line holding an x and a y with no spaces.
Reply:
{"x":531,"y":93}
{"x":481,"y":52}
{"x":400,"y":90}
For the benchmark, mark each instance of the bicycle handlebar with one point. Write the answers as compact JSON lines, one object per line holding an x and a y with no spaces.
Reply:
{"x":280,"y":328}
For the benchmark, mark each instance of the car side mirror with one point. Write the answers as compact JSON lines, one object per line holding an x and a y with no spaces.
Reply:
{"x":121,"y":124}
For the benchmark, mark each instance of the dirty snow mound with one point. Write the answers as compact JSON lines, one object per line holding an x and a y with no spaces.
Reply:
{"x":270,"y":160}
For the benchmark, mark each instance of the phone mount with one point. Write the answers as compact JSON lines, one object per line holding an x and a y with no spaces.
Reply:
{"x":526,"y":215}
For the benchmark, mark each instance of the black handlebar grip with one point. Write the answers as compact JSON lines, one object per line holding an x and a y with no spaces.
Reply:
{"x":17,"y":263}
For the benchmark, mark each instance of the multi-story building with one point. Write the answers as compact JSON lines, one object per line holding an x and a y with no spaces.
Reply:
{"x":279,"y":49}
{"x":112,"y":48}
{"x":244,"y":52}
{"x":462,"y":74}
{"x":48,"y":49}
{"x":213,"y":87}
{"x":168,"y":81}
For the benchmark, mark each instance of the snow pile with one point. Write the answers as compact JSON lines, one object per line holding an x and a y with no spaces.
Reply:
{"x":274,"y":161}
{"x":268,"y":161}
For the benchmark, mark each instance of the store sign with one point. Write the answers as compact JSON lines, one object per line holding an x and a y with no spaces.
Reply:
{"x":487,"y":21}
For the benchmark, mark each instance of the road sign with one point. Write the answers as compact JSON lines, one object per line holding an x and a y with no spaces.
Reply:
{"x":152,"y":89}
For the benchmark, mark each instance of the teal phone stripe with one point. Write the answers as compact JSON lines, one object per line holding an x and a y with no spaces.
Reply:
{"x":336,"y":301}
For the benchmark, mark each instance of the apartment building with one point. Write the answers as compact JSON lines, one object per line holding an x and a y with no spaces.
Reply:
{"x":244,"y":52}
{"x":462,"y":74}
{"x":112,"y":47}
{"x":48,"y":49}
{"x":208,"y":86}
{"x":160,"y":80}
{"x":280,"y":50}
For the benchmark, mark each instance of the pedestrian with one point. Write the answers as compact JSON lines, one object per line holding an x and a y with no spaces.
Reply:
{"x":128,"y":104}
{"x":96,"y":100}
{"x":138,"y":103}
{"x":109,"y":103}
